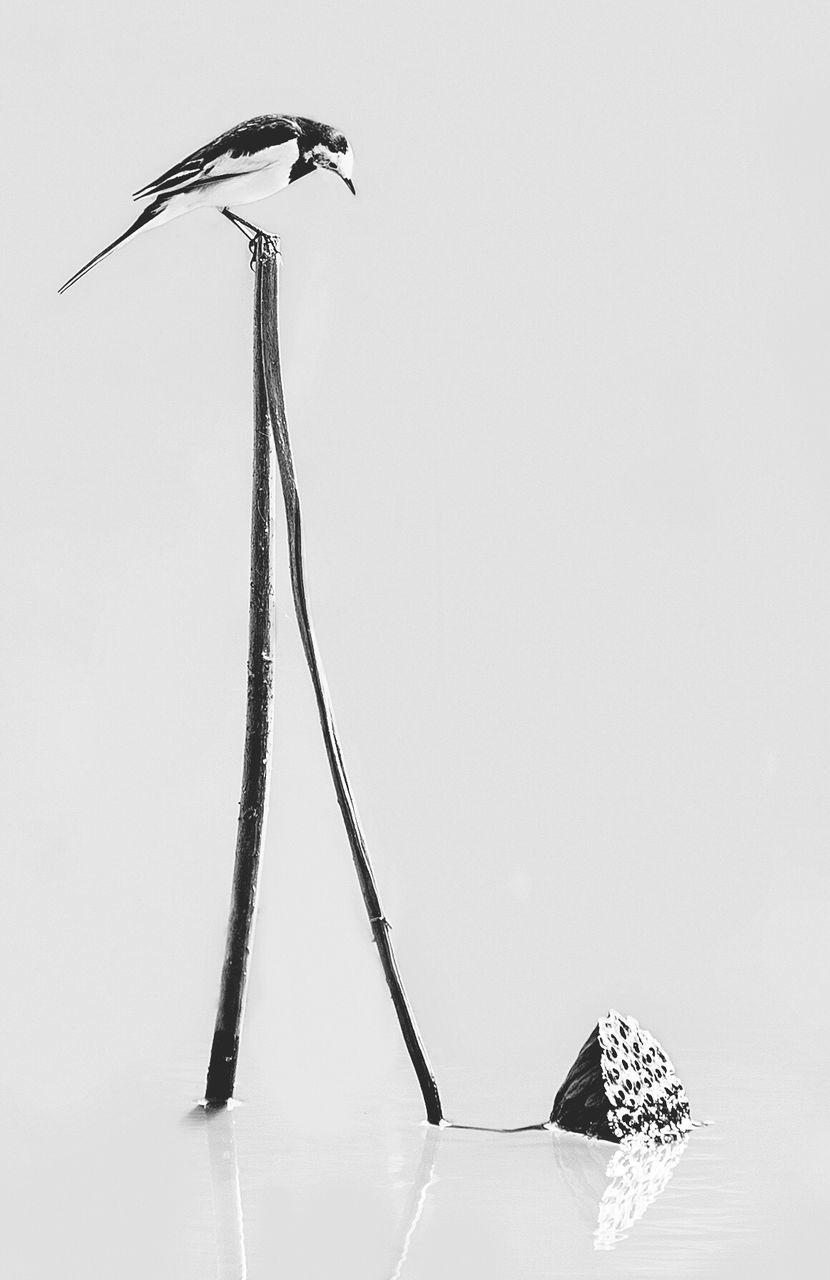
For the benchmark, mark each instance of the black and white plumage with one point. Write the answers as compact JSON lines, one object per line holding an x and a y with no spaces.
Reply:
{"x":252,"y":161}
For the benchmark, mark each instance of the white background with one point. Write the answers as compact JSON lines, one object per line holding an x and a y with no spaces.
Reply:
{"x":558,"y":391}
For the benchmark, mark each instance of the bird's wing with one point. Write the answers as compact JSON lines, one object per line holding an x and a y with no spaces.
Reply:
{"x":252,"y":145}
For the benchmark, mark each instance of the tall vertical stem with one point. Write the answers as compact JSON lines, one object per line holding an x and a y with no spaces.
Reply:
{"x":256,"y":769}
{"x":269,"y":359}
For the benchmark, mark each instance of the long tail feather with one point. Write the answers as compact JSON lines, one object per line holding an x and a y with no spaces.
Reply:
{"x":146,"y":216}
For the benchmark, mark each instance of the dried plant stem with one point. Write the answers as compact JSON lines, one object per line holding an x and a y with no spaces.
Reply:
{"x":266,"y":254}
{"x":253,"y":805}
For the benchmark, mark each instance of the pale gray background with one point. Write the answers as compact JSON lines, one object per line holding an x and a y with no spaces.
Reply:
{"x":558,"y":388}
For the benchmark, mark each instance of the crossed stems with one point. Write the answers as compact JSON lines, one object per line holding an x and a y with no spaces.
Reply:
{"x":271,"y":407}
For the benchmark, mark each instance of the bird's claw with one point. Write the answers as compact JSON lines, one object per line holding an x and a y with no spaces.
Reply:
{"x":263,"y":245}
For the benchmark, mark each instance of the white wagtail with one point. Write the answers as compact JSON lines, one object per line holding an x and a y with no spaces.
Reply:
{"x":255,"y":159}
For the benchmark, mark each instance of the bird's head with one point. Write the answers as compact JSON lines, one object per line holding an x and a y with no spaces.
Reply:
{"x":325,"y":148}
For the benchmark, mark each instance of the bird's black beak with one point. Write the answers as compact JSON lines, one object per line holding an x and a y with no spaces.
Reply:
{"x":350,"y":185}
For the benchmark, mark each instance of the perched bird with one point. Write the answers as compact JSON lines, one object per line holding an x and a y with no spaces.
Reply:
{"x":254,"y":160}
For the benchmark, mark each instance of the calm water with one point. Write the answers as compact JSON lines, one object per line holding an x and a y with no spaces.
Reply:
{"x":132,"y":1187}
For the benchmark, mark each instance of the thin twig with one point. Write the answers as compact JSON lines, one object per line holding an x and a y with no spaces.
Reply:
{"x":268,"y":331}
{"x":253,"y":806}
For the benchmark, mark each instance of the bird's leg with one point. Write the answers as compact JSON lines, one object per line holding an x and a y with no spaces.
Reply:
{"x":248,"y":229}
{"x":259,"y":241}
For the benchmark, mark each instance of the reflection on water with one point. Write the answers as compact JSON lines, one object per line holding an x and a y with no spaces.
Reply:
{"x":375,"y":1196}
{"x":638,"y":1175}
{"x":613,"y":1193}
{"x":418,"y":1196}
{"x":226,"y":1196}
{"x":384,"y":1198}
{"x":611,"y":1186}
{"x":229,"y":1228}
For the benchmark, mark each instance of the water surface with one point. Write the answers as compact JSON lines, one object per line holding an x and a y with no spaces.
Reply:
{"x":137,"y":1185}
